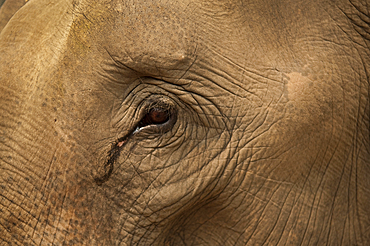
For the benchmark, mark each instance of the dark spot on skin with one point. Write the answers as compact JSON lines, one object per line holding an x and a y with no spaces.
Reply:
{"x":55,"y":120}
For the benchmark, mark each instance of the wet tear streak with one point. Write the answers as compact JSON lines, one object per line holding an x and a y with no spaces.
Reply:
{"x":112,"y":157}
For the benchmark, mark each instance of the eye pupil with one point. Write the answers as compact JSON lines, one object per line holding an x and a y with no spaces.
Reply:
{"x":158,"y":116}
{"x":154,"y":117}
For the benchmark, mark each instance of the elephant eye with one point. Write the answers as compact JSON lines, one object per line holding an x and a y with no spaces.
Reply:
{"x":155,"y":116}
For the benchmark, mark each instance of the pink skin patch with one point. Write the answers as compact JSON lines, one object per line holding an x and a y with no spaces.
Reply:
{"x":120,"y":144}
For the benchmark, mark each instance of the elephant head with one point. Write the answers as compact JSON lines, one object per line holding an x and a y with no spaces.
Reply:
{"x":185,"y":123}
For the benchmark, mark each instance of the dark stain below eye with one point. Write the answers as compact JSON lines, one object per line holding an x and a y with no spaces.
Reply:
{"x":155,"y":116}
{"x":113,"y":155}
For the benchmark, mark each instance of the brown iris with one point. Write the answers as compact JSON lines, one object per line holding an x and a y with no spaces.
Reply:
{"x":155,"y":116}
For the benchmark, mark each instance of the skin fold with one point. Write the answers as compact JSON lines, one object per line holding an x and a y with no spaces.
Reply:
{"x":8,"y":10}
{"x":185,"y":122}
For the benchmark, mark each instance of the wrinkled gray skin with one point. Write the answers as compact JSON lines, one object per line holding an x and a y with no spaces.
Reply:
{"x":265,"y":139}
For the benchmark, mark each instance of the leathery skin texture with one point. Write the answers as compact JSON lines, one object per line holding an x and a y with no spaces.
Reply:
{"x":187,"y":122}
